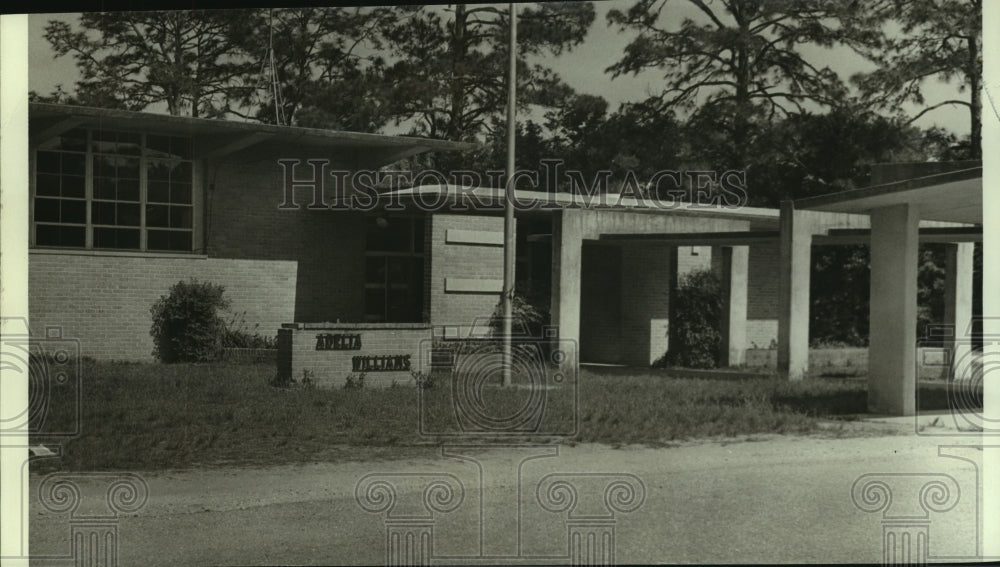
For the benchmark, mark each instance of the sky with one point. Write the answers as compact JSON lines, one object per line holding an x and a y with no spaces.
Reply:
{"x":582,"y":68}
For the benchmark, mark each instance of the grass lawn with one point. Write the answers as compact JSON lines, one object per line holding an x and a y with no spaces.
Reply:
{"x":152,"y":416}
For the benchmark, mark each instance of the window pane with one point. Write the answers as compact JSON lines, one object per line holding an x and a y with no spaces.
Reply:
{"x":47,"y":184}
{"x":46,"y":235}
{"x":128,"y":168}
{"x":157,"y":240}
{"x":104,"y":188}
{"x":47,"y":210}
{"x":399,"y":306}
{"x":48,"y":162}
{"x":180,"y":241}
{"x":158,"y":215}
{"x":102,"y":213}
{"x":417,"y":291}
{"x":180,"y":194}
{"x":127,"y":239}
{"x":74,"y":186}
{"x":74,"y":211}
{"x":180,"y":217}
{"x":181,"y":172}
{"x":104,"y":166}
{"x":375,"y":304}
{"x":375,"y":270}
{"x":157,"y":170}
{"x":74,"y":164}
{"x":159,"y":192}
{"x":128,"y":214}
{"x":128,"y":190}
{"x":49,"y":235}
{"x":172,"y":240}
{"x":398,"y":270}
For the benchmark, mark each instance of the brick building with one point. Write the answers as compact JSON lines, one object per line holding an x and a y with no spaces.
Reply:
{"x":125,"y":204}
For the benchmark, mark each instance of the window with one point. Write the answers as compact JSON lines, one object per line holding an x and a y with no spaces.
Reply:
{"x":114,"y":190}
{"x":394,"y":270}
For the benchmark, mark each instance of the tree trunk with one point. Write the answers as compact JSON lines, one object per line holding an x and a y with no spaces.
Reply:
{"x":458,"y":53}
{"x":741,"y":123}
{"x":976,"y":101}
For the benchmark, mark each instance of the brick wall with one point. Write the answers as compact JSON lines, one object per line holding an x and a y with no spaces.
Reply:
{"x":244,"y":222}
{"x":762,"y":295}
{"x":105,"y":300}
{"x":278,"y":265}
{"x":692,"y":258}
{"x":625,"y":303}
{"x":465,"y":261}
{"x":601,"y":302}
{"x":645,"y":303}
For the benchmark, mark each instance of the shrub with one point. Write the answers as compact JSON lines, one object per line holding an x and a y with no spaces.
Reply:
{"x":697,"y":339}
{"x":355,"y":381}
{"x":187,"y":326}
{"x":522,"y":313}
{"x":236,"y":334}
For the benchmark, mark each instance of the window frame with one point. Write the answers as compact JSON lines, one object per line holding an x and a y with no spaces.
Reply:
{"x":144,"y":159}
{"x":415,"y":281}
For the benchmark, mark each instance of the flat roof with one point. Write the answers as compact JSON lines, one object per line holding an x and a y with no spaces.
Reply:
{"x":955,"y":196}
{"x":492,"y":198}
{"x":52,"y":117}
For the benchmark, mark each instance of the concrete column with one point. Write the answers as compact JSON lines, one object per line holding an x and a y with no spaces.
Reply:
{"x":735,"y":262}
{"x":893,"y":310}
{"x":958,"y":304}
{"x":567,"y":260}
{"x":793,"y":293}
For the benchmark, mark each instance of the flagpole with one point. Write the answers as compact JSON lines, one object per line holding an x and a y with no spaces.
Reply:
{"x":509,"y":240}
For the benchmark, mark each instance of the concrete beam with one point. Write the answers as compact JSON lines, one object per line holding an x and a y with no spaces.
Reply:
{"x":735,"y":278}
{"x":893,"y":311}
{"x":795,"y":245}
{"x":927,"y":235}
{"x":958,"y":305}
{"x":729,"y":238}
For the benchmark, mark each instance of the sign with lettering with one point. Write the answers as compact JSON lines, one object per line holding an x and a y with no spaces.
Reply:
{"x":331,"y":341}
{"x":385,"y":363}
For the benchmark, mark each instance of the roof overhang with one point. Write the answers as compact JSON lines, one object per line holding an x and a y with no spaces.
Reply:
{"x":955,"y":196}
{"x":224,"y":137}
{"x":492,"y":199}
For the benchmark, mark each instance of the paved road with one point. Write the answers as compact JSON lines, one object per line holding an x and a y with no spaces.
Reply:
{"x":778,"y":499}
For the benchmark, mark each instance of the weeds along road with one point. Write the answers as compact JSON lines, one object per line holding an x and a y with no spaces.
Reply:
{"x":776,"y":499}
